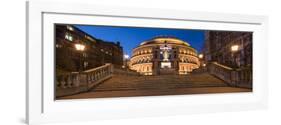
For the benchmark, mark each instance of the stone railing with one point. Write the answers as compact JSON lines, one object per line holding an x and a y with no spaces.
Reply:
{"x":243,"y":77}
{"x":234,"y":77}
{"x":67,"y":80}
{"x":73,"y":83}
{"x":220,"y":71}
{"x":99,"y":74}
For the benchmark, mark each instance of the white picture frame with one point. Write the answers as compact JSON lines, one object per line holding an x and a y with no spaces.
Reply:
{"x":42,"y":108}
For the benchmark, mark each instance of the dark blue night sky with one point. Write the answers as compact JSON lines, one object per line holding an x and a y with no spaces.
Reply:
{"x":131,"y":37}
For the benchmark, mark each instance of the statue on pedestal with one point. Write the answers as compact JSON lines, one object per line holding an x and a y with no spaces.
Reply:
{"x":165,"y":55}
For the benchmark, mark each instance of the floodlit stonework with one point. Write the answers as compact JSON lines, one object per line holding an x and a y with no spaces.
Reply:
{"x":164,"y":55}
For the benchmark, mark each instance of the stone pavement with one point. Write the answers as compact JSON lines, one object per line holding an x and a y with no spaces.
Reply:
{"x":126,"y":86}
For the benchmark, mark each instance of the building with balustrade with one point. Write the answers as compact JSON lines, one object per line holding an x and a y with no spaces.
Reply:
{"x":164,"y":55}
{"x":229,"y":53}
{"x":96,"y":52}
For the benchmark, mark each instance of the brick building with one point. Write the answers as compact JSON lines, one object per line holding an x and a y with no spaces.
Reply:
{"x":229,"y":56}
{"x":96,"y":52}
{"x":218,"y":48}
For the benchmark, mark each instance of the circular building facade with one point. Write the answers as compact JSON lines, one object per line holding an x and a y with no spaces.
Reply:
{"x":164,"y":55}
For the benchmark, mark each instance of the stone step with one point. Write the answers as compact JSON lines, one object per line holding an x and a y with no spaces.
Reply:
{"x":124,"y":82}
{"x":153,"y":87}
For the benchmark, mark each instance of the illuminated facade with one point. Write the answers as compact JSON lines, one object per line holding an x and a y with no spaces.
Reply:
{"x":164,"y":55}
{"x":71,"y":60}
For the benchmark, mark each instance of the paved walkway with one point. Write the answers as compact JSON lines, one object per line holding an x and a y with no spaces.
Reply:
{"x":126,"y":86}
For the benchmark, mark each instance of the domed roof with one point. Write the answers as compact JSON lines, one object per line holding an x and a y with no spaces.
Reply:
{"x":165,"y":39}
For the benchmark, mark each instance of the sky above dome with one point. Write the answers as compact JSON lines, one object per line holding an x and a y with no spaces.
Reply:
{"x":131,"y":37}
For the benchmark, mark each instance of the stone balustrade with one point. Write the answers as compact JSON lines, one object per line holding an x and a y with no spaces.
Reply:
{"x":244,"y":77}
{"x":97,"y":75}
{"x":220,"y":71}
{"x":74,"y":82}
{"x":67,"y":80}
{"x":234,"y":77}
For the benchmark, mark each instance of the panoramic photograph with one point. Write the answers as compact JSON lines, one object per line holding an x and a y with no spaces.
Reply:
{"x":94,"y":61}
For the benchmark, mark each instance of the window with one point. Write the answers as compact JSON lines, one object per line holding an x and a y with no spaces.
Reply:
{"x":68,"y":36}
{"x":58,"y":46}
{"x":86,"y":64}
{"x":85,"y":55}
{"x":89,"y":38}
{"x":70,"y":28}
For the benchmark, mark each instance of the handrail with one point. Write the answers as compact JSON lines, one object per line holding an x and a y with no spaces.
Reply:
{"x":96,"y":75}
{"x":97,"y":68}
{"x":74,"y":82}
{"x":223,"y":66}
{"x":234,"y":77}
{"x":221,"y":71}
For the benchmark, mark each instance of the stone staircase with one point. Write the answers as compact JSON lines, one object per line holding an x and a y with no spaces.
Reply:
{"x":160,"y":82}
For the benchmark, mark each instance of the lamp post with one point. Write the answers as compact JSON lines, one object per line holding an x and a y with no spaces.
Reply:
{"x":200,"y":56}
{"x":80,"y":48}
{"x":234,"y":49}
{"x":201,"y":60}
{"x":126,"y":56}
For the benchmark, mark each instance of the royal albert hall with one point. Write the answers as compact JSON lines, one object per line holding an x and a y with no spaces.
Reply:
{"x":164,"y":55}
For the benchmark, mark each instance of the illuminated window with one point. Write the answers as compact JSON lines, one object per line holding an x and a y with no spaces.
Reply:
{"x":86,"y":64}
{"x":58,"y":46}
{"x":70,"y":28}
{"x":68,"y":36}
{"x":89,"y":38}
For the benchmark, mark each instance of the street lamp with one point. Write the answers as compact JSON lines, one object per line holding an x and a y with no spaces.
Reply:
{"x":234,"y":49}
{"x":201,"y":61}
{"x":200,"y":56}
{"x":81,"y":48}
{"x":126,"y":56}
